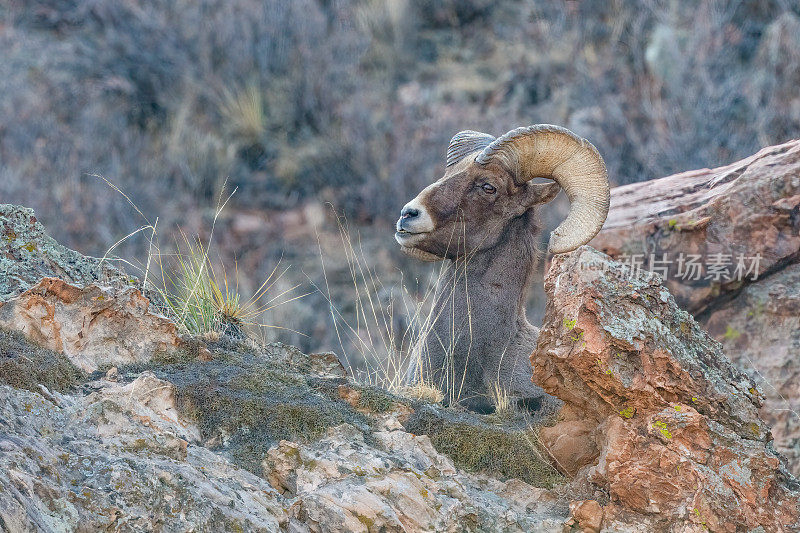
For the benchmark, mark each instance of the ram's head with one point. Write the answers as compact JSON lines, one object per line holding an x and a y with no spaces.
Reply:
{"x":487,"y":183}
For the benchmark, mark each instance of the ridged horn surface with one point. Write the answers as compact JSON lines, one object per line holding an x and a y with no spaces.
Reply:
{"x":547,"y":151}
{"x":465,"y":142}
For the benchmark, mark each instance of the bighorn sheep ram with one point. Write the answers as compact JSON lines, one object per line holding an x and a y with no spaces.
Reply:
{"x":481,"y":216}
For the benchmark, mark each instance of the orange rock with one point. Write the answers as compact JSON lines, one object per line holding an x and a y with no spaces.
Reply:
{"x":587,"y":515}
{"x":92,"y":325}
{"x":675,"y":425}
{"x":749,"y":208}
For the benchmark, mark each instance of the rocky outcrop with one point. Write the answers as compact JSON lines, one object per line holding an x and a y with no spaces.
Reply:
{"x":665,"y":425}
{"x":748,"y":209}
{"x":82,"y":307}
{"x":28,"y":254}
{"x":760,"y":330}
{"x":749,"y":212}
{"x":342,"y":483}
{"x":659,"y":432}
{"x":119,"y":459}
{"x":134,"y":451}
{"x":91,"y":325}
{"x":186,"y":434}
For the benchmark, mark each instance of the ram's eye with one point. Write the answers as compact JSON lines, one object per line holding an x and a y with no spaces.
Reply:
{"x":488,"y":188}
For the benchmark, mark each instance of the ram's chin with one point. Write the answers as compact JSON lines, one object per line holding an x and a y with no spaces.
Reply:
{"x":422,"y":255}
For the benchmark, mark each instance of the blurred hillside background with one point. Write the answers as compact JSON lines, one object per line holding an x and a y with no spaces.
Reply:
{"x":319,"y":111}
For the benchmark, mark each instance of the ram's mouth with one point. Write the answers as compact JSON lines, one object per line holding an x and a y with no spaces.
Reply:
{"x":405,"y":233}
{"x":422,"y":255}
{"x":408,"y":240}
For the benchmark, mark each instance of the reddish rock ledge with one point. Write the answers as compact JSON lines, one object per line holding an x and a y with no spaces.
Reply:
{"x":750,"y":208}
{"x":655,"y":415}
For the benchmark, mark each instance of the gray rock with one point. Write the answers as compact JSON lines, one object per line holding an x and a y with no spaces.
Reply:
{"x":28,"y":254}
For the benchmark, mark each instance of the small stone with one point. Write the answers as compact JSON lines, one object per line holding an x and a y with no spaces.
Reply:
{"x":112,"y":374}
{"x":204,"y":354}
{"x":587,"y":514}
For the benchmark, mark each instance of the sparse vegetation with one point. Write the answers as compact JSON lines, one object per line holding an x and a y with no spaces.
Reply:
{"x":501,"y":400}
{"x":731,"y":333}
{"x":196,"y":294}
{"x":383,"y":326}
{"x":245,"y":399}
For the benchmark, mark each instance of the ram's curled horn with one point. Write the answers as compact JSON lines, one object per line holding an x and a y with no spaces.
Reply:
{"x":465,"y":142}
{"x":547,"y":151}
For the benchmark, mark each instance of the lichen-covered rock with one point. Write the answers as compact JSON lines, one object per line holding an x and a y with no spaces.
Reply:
{"x":343,"y":484}
{"x":760,"y":330}
{"x":675,"y":426}
{"x":28,"y":254}
{"x":120,"y":459}
{"x":125,"y":456}
{"x":80,"y":306}
{"x":749,"y":209}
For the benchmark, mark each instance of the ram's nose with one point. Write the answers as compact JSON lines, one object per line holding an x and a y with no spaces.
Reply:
{"x":407,"y":218}
{"x":409,"y":212}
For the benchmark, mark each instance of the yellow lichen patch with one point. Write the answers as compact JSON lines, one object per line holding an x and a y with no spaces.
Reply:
{"x":731,"y":334}
{"x":628,"y":412}
{"x":663,"y":429}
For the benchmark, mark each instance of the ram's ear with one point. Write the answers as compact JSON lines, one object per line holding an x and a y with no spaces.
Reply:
{"x":540,"y":193}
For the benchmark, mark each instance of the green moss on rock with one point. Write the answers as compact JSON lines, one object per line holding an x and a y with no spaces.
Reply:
{"x":376,"y":400}
{"x":478,"y":446}
{"x":244,"y":401}
{"x":25,"y":366}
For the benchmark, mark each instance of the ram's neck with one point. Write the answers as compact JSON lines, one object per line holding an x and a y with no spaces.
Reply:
{"x":490,"y":288}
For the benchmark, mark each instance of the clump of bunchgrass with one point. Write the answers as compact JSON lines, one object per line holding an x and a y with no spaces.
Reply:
{"x":203,"y":299}
{"x":199,"y":296}
{"x":480,"y":444}
{"x":502,"y":401}
{"x":423,"y":391}
{"x":243,"y":111}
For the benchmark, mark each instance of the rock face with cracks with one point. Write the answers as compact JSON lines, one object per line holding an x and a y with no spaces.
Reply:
{"x":28,"y":254}
{"x":91,"y":325}
{"x":750,"y":208}
{"x":80,"y":306}
{"x":655,"y":414}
